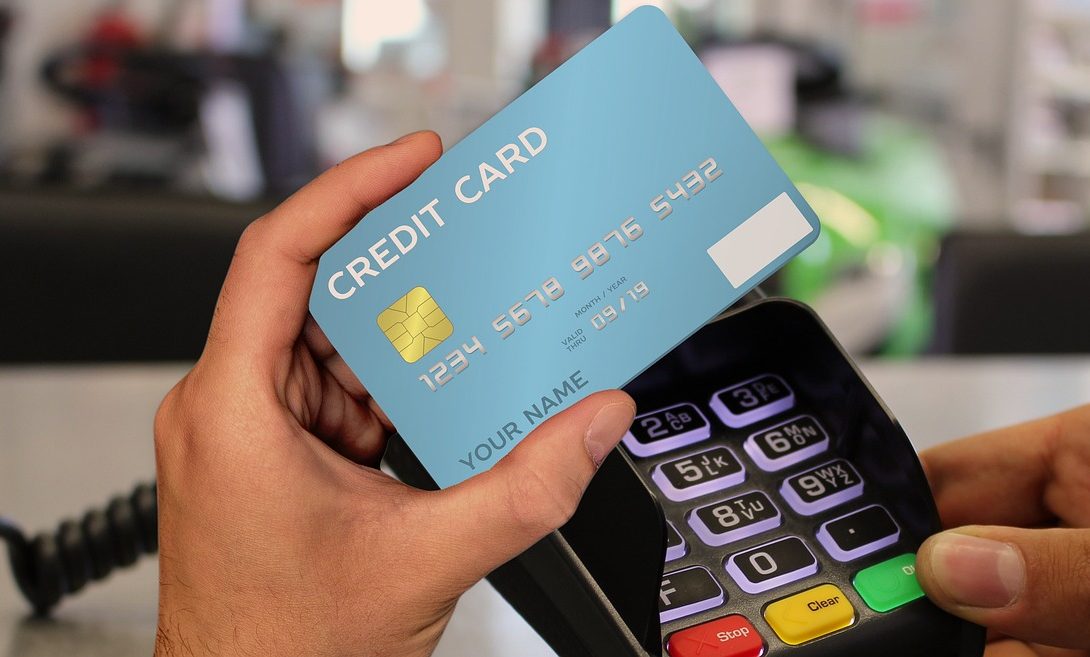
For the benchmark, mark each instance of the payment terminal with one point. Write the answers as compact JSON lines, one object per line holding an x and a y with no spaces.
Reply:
{"x":764,"y":503}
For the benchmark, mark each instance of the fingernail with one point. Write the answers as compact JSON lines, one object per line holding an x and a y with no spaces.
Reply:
{"x":606,"y":430}
{"x":977,"y":572}
{"x":403,"y":138}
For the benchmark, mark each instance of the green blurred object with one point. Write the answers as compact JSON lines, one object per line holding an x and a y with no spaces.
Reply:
{"x":883,"y":209}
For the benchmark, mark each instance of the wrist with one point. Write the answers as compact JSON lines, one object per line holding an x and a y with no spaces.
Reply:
{"x":219,"y":625}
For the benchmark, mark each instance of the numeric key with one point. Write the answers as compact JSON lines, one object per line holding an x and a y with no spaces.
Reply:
{"x":693,"y":475}
{"x":822,"y":487}
{"x":667,"y":429}
{"x":734,"y":519}
{"x":787,"y":443}
{"x":767,"y":566}
{"x":752,"y":400}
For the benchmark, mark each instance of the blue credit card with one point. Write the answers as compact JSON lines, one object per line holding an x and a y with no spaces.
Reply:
{"x":561,"y":248}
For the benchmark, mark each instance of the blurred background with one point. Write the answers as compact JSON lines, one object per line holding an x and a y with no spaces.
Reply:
{"x":944,"y":143}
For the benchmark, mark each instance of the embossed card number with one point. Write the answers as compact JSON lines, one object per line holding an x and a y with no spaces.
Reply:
{"x":683,"y":221}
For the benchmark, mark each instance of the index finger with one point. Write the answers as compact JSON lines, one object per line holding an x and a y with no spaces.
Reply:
{"x":263,"y":304}
{"x":1019,"y":476}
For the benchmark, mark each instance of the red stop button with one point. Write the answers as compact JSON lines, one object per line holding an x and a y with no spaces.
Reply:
{"x":732,"y":636}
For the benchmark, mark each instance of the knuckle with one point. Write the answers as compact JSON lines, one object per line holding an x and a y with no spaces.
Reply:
{"x":261,"y":239}
{"x":183,"y":410}
{"x":1058,"y":570}
{"x":170,"y":419}
{"x":168,"y":408}
{"x":539,"y":505}
{"x":1075,"y":576}
{"x":250,"y":238}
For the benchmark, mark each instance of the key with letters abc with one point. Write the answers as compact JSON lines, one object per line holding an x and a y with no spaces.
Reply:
{"x":667,"y":429}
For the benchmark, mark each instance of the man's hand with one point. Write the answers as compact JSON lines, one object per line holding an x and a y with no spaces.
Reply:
{"x":278,"y":536}
{"x":1019,"y":562}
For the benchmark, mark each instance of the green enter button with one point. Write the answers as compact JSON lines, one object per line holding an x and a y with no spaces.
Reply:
{"x":890,"y":584}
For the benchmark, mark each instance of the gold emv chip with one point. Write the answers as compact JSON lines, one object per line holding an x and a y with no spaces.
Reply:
{"x":415,"y":324}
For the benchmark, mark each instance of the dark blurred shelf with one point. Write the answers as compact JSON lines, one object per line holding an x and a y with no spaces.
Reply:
{"x":137,"y":206}
{"x":111,"y":276}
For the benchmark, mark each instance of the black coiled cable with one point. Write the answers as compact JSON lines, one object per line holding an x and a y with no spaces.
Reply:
{"x":55,"y":564}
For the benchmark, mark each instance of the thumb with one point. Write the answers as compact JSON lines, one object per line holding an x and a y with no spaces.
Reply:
{"x":496,"y":515}
{"x":1029,"y":584}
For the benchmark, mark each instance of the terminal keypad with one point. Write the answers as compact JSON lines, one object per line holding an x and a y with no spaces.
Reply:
{"x":751,"y":475}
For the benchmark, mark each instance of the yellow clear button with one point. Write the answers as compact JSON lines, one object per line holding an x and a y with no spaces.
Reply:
{"x":811,"y":614}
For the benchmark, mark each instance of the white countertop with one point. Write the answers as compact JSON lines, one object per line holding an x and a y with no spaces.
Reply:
{"x":71,"y":437}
